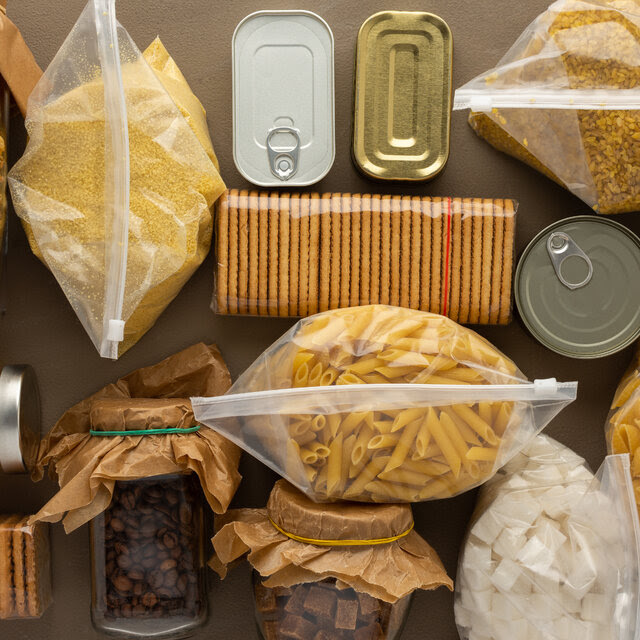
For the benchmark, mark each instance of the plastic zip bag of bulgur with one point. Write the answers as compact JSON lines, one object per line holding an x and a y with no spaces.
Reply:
{"x":117,"y":181}
{"x":565,"y":99}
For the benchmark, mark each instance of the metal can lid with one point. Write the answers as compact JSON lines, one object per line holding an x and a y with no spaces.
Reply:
{"x":577,"y":287}
{"x":19,"y":418}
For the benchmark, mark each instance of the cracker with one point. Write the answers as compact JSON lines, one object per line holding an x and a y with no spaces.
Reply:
{"x":274,"y":246}
{"x":222,"y":254}
{"x":425,"y":261}
{"x":38,"y":569}
{"x":356,"y":244}
{"x":234,"y":197}
{"x":456,"y":259}
{"x":345,"y":249}
{"x":243,"y":252}
{"x":476,"y":262}
{"x":405,"y":250}
{"x":467,"y":237}
{"x":376,"y":205}
{"x":19,"y":535}
{"x":283,"y":255}
{"x":436,"y":254}
{"x":507,"y":266}
{"x":335,"y":251}
{"x":395,"y":267}
{"x":263,"y":254}
{"x":324,"y":273}
{"x":254,"y":235}
{"x":447,"y":249}
{"x":6,"y":567}
{"x":385,"y":249}
{"x":303,"y":260}
{"x":294,"y":253}
{"x":487,"y":259}
{"x":416,"y":247}
{"x":498,"y":258}
{"x":315,"y":217}
{"x":365,"y":249}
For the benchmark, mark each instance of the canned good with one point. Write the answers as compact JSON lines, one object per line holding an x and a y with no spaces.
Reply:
{"x":402,"y":106}
{"x":283,"y":98}
{"x":19,"y":418}
{"x":577,"y":287}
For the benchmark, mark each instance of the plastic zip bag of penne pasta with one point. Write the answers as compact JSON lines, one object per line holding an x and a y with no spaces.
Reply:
{"x":623,"y":424}
{"x":383,"y":404}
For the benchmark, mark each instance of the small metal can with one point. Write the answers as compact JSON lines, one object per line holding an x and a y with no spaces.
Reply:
{"x":19,"y":418}
{"x":402,"y":96}
{"x":283,"y":98}
{"x":577,"y":287}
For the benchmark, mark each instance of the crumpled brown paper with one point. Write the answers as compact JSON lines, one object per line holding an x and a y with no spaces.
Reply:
{"x":17,"y":64}
{"x":87,"y":466}
{"x":386,"y":571}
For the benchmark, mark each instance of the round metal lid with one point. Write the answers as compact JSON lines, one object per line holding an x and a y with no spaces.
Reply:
{"x":19,"y":418}
{"x":577,"y":287}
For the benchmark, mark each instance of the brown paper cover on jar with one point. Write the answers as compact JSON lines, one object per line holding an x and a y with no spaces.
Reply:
{"x":389,"y":570}
{"x":87,"y":466}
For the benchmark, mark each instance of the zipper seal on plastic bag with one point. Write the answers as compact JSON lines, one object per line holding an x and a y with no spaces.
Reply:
{"x":361,"y":397}
{"x":481,"y":100}
{"x":117,"y":176}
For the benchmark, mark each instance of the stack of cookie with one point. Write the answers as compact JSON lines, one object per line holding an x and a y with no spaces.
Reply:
{"x":25,"y":568}
{"x":283,"y":254}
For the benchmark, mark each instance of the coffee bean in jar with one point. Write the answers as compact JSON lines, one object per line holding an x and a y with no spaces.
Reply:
{"x":148,"y":558}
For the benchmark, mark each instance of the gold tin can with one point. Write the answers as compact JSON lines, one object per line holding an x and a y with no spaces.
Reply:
{"x":402,"y":107}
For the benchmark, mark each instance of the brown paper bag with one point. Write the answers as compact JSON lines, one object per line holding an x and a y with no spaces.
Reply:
{"x":388,"y":571}
{"x":87,"y":466}
{"x":18,"y":67}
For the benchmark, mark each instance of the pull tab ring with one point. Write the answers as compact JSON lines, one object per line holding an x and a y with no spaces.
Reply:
{"x":283,"y":161}
{"x":560,"y":246}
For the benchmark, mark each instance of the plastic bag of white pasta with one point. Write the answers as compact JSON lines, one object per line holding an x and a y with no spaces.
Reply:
{"x":552,"y":552}
{"x":383,"y":404}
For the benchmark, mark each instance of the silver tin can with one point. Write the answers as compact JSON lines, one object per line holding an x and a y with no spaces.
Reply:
{"x":283,"y":98}
{"x":19,"y":418}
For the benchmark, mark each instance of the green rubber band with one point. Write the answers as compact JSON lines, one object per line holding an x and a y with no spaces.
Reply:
{"x":145,"y":432}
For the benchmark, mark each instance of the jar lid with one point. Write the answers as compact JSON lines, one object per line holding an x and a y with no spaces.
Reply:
{"x":296,"y":514}
{"x":577,"y":287}
{"x":19,"y":418}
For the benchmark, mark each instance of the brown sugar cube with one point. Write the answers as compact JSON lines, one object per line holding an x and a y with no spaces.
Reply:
{"x":385,"y":249}
{"x":294,"y":253}
{"x":254,"y":251}
{"x":335,"y":276}
{"x":243,"y":252}
{"x":385,"y":614}
{"x":323,"y":634}
{"x":436,"y":255}
{"x":265,"y":599}
{"x":271,"y":629}
{"x":496,"y":267}
{"x":416,"y":248}
{"x":347,"y":614}
{"x":295,"y":604}
{"x":222,"y":254}
{"x":320,"y":602}
{"x":365,"y":249}
{"x":282,"y":592}
{"x":356,"y":244}
{"x":263,"y":254}
{"x":372,"y":631}
{"x":467,"y":236}
{"x":425,"y":260}
{"x":375,"y":251}
{"x":324,"y":273}
{"x":405,"y":251}
{"x":313,"y":299}
{"x":368,"y":605}
{"x":396,"y":238}
{"x":297,"y":628}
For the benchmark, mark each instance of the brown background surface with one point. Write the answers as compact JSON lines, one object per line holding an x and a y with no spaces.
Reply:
{"x":41,"y":329}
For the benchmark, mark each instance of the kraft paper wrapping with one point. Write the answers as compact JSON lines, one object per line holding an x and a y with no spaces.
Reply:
{"x":17,"y":64}
{"x":386,"y":571}
{"x":87,"y":466}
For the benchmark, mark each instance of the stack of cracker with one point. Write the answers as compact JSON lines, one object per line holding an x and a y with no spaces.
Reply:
{"x":25,"y":568}
{"x":294,"y":255}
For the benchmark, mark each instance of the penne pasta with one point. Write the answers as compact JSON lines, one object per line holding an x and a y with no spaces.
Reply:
{"x":406,"y":441}
{"x":482,"y":453}
{"x":334,"y":465}
{"x":383,"y":441}
{"x":476,"y":423}
{"x":441,"y":438}
{"x":368,"y":473}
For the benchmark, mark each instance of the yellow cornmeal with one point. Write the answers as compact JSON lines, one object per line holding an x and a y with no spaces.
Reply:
{"x":594,"y":153}
{"x":58,"y":190}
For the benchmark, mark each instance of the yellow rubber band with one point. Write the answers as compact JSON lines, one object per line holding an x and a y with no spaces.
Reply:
{"x":342,"y":543}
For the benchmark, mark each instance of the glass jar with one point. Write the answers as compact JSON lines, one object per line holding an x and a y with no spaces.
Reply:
{"x":147,"y":552}
{"x":321,"y":611}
